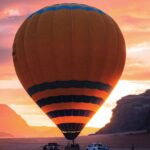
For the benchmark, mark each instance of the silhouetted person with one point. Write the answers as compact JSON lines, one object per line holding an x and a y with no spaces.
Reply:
{"x":132,"y":147}
{"x":44,"y":148}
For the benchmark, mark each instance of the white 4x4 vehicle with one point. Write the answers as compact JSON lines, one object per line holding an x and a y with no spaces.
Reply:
{"x":97,"y":147}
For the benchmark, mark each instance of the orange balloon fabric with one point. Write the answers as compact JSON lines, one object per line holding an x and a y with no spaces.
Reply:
{"x":69,"y":57}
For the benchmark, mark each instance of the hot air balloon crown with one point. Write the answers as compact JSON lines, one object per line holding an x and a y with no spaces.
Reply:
{"x":69,"y":6}
{"x":68,"y":58}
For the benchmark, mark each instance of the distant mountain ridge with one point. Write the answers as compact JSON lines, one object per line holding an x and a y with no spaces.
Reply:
{"x":132,"y":113}
{"x":6,"y":135}
{"x":13,"y":125}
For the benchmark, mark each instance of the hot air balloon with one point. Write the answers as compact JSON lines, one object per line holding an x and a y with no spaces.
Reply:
{"x":68,"y":58}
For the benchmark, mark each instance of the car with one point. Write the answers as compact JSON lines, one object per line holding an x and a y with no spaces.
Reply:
{"x":51,"y":146}
{"x":97,"y":146}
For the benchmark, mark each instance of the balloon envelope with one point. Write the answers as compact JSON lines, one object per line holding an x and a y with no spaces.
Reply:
{"x":69,"y":57}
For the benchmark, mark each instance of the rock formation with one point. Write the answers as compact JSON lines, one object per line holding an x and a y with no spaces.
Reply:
{"x":132,"y":113}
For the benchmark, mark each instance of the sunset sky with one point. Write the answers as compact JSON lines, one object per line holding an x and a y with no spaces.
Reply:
{"x":132,"y":16}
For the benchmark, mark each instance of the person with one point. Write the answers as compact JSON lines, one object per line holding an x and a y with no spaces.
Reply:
{"x":132,"y":147}
{"x":45,"y":147}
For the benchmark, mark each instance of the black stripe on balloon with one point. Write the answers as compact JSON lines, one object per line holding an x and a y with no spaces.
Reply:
{"x":71,"y":130}
{"x":70,"y":112}
{"x":70,"y":135}
{"x":69,"y":84}
{"x":69,"y":98}
{"x":71,"y":126}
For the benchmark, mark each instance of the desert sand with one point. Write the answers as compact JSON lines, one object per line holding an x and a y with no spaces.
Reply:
{"x":115,"y":142}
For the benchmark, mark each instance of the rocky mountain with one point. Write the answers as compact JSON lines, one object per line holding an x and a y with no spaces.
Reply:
{"x":12,"y":123}
{"x":132,"y":113}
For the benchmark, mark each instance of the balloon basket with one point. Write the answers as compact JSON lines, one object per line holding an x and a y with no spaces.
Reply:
{"x":72,"y":147}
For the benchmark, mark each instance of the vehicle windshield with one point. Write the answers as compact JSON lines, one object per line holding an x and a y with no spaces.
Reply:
{"x":52,"y":144}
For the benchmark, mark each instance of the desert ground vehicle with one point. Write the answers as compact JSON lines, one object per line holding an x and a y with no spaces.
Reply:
{"x":51,"y":146}
{"x":97,"y":147}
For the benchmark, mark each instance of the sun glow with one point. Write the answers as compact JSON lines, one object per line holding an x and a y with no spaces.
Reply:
{"x":10,"y":84}
{"x":123,"y":88}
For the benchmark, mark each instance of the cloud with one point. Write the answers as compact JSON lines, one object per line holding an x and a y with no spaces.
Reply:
{"x":7,"y":70}
{"x":8,"y":28}
{"x":8,"y":3}
{"x":10,"y":84}
{"x":135,"y":20}
{"x":138,"y":24}
{"x":15,"y":96}
{"x":11,"y":20}
{"x":139,"y":47}
{"x":5,"y":55}
{"x":12,"y":12}
{"x":137,"y":75}
{"x":137,"y":63}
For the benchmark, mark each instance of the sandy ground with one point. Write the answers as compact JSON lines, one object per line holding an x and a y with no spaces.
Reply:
{"x":115,"y":142}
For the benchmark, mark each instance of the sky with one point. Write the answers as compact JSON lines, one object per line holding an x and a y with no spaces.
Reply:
{"x":134,"y":21}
